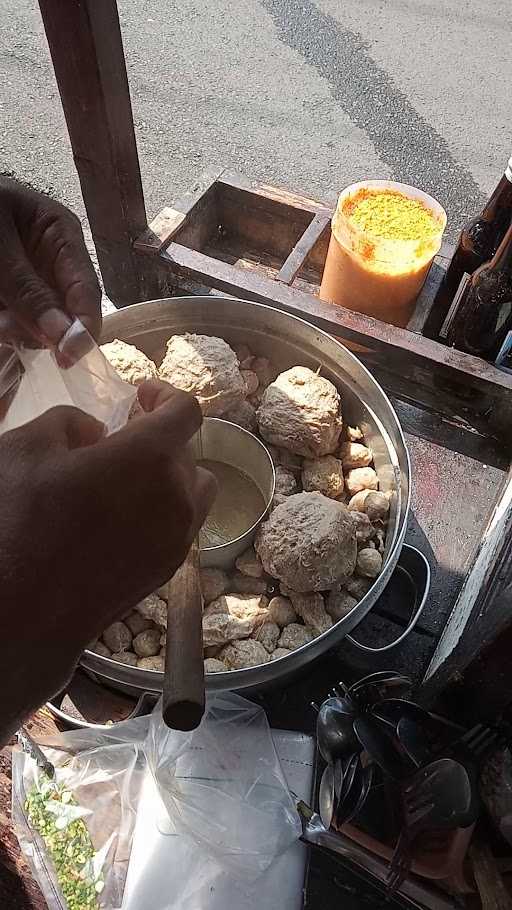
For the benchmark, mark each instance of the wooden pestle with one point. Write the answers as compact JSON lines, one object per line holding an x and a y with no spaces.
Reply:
{"x":183,"y":691}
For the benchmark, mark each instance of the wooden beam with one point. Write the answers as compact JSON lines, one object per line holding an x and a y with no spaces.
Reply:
{"x":87,"y":52}
{"x":302,"y":248}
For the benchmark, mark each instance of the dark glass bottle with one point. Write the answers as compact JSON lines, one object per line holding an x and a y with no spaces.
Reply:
{"x":485,"y":313}
{"x":478,"y":242}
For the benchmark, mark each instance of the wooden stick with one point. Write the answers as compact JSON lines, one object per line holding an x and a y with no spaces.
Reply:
{"x":183,"y":692}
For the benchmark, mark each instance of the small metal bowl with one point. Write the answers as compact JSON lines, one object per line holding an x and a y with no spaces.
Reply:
{"x":223,"y":441}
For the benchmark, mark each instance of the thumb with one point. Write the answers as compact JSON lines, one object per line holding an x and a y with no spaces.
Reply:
{"x":65,"y":427}
{"x":25,"y":295}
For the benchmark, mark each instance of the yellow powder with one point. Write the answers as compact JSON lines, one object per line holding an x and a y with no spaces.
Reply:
{"x":390,"y":215}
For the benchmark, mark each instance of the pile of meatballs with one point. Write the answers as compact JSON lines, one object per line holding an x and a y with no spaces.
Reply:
{"x":321,"y":547}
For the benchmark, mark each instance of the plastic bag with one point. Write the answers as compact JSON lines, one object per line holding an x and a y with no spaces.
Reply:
{"x":168,"y":872}
{"x":33,"y":380}
{"x":223,"y":785}
{"x":89,"y":813}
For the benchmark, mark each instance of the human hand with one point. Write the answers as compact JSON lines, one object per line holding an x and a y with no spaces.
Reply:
{"x":89,"y":526}
{"x":46,"y":277}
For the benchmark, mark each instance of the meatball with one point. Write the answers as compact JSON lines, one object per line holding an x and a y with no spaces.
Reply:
{"x":339,"y":603}
{"x":101,"y":649}
{"x":280,"y":611}
{"x":212,"y":665}
{"x":251,"y":381}
{"x":137,"y":623}
{"x":151,"y":663}
{"x":376,"y":506}
{"x":233,"y":617}
{"x":280,"y":652}
{"x":286,"y":483}
{"x":369,"y":563}
{"x":308,"y":543}
{"x":207,"y":368}
{"x":300,"y":412}
{"x":249,"y":564}
{"x":131,"y":364}
{"x":265,"y":371}
{"x":242,"y":654}
{"x":126,"y":657}
{"x":214,"y":582}
{"x":311,"y":609}
{"x":325,"y":475}
{"x":244,"y":415}
{"x":147,"y":644}
{"x":117,"y":637}
{"x":355,"y":455}
{"x":245,"y":584}
{"x":294,"y":636}
{"x":154,"y":608}
{"x":268,"y":635}
{"x":361,"y":479}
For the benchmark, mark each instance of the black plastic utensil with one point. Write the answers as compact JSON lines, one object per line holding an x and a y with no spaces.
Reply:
{"x":379,"y":746}
{"x":338,"y":777}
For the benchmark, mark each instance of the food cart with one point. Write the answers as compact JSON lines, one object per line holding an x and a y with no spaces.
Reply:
{"x":232,"y":236}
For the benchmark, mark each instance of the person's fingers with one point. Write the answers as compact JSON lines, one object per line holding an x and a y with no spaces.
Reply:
{"x":12,"y":331}
{"x":152,"y":393}
{"x":62,"y":244}
{"x":170,"y":425}
{"x":65,"y":427}
{"x":26,"y":295}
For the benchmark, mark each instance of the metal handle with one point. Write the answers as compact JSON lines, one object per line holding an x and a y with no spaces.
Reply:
{"x":414,"y":619}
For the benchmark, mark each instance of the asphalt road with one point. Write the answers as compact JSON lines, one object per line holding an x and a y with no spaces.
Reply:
{"x":309,"y":95}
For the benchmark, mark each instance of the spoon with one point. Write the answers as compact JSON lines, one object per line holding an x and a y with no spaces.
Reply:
{"x":378,"y":746}
{"x":351,"y":792}
{"x":334,"y":733}
{"x":366,"y":784}
{"x":326,"y":797}
{"x":412,"y":740}
{"x":391,"y":710}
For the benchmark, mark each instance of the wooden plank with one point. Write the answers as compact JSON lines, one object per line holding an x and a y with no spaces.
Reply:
{"x":87,"y":52}
{"x":483,"y":608}
{"x":474,"y":390}
{"x":302,"y":248}
{"x":171,"y":219}
{"x":295,"y":200}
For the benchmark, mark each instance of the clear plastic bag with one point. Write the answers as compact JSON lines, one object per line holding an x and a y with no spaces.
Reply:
{"x":88,"y":812}
{"x":33,"y":380}
{"x":223,"y":785}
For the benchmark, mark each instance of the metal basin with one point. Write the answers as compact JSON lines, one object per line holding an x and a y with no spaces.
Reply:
{"x":288,"y":341}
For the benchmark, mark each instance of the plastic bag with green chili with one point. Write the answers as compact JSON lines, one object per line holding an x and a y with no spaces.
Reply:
{"x":76,"y":830}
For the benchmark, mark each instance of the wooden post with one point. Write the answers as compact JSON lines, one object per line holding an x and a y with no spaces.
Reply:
{"x":87,"y":52}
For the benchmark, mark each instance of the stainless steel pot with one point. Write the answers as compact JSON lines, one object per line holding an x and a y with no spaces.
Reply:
{"x":288,"y":341}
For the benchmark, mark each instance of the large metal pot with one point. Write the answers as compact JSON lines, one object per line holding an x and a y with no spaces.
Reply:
{"x":288,"y":341}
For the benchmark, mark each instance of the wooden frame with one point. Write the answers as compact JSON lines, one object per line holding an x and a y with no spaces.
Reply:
{"x":188,"y":239}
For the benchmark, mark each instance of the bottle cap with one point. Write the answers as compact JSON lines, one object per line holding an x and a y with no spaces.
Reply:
{"x":508,"y":169}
